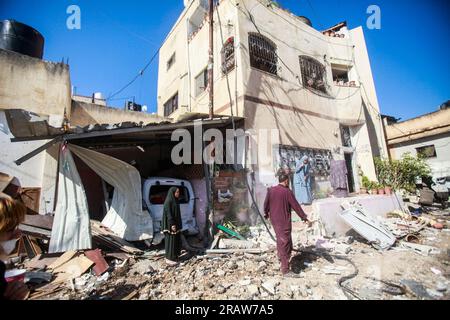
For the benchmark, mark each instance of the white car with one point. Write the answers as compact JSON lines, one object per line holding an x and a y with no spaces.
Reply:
{"x":154,"y":194}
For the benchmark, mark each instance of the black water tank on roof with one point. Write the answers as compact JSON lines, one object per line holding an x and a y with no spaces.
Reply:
{"x":19,"y":37}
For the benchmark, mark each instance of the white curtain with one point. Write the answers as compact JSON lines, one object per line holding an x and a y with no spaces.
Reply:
{"x":125,"y":217}
{"x":71,"y":225}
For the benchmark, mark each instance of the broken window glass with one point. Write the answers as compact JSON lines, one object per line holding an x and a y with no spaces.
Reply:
{"x":313,"y":74}
{"x":263,"y":54}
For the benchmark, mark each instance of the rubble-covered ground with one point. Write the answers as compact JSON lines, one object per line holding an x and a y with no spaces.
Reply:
{"x":256,"y":276}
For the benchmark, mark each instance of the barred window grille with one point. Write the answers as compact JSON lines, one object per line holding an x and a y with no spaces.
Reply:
{"x":228,"y":59}
{"x":263,"y":54}
{"x":313,"y":74}
{"x":171,"y":105}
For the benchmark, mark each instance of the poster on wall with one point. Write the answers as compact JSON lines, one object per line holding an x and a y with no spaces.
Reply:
{"x":285,"y":158}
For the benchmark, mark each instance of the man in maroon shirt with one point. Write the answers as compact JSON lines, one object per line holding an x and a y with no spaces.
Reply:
{"x":280,"y":200}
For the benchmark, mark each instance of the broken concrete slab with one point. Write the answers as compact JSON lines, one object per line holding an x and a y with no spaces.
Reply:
{"x":356,"y":216}
{"x":416,"y":289}
{"x":235,"y":244}
{"x":271,"y":286}
{"x":420,"y":248}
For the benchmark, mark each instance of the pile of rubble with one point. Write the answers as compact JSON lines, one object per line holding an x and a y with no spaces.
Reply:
{"x":349,"y":267}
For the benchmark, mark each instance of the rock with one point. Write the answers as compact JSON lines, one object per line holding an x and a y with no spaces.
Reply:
{"x":342,"y":248}
{"x":232,"y":265}
{"x":245,"y":282}
{"x":209,"y":284}
{"x":441,"y":287}
{"x":221,"y":290}
{"x":143,"y":267}
{"x":435,"y":293}
{"x":270,"y":286}
{"x":253,"y":290}
{"x":220,"y":273}
{"x":416,"y":288}
{"x":294,"y":288}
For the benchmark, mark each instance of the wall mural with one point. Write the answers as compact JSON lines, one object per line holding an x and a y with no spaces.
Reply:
{"x":286,"y":157}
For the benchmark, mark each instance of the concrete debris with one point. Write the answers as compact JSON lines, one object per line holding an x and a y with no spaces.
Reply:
{"x":367,"y":226}
{"x":342,"y":248}
{"x":253,"y":290}
{"x":420,"y":249}
{"x":435,"y":293}
{"x":441,"y":287}
{"x":235,"y":244}
{"x":270,"y":286}
{"x":220,"y":273}
{"x":436,"y":271}
{"x":245,"y":283}
{"x":143,"y":267}
{"x":334,"y":270}
{"x":416,"y":289}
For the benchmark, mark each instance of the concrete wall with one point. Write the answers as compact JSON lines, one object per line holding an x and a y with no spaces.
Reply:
{"x":440,"y":165}
{"x":34,"y":85}
{"x":424,"y":126}
{"x":84,"y":114}
{"x":31,"y":173}
{"x":429,"y":129}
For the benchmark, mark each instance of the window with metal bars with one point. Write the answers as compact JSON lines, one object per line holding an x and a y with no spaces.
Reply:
{"x":171,"y":105}
{"x":313,"y":74}
{"x":228,"y":56}
{"x":263,"y":54}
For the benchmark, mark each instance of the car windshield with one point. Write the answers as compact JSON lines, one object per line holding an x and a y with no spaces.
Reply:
{"x":158,"y":194}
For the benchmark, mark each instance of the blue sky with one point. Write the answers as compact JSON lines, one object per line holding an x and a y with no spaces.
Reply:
{"x":409,"y":55}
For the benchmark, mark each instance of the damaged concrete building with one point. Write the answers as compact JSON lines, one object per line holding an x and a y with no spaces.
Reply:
{"x":276,"y":71}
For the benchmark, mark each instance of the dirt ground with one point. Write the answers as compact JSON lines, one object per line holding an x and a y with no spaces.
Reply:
{"x":407,"y":274}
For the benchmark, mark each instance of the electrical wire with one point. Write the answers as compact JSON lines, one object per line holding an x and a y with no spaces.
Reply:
{"x":141,"y":73}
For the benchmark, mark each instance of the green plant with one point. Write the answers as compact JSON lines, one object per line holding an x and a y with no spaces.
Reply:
{"x":366,"y":183}
{"x":402,"y":174}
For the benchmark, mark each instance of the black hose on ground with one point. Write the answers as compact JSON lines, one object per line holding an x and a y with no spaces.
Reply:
{"x":349,"y":293}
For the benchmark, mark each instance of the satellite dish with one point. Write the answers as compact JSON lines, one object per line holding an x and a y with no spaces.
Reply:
{"x":144,"y":108}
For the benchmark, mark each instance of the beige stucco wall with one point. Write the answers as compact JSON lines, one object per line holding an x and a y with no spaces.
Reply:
{"x":34,"y":85}
{"x":429,"y":129}
{"x":84,"y":114}
{"x":191,"y":59}
{"x":279,"y":102}
{"x":427,"y":125}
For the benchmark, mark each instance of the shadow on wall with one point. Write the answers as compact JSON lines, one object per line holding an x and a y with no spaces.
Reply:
{"x":372,"y":133}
